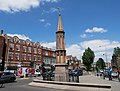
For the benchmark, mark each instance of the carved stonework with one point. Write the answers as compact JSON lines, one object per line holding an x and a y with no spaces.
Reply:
{"x":61,"y":68}
{"x":15,"y":39}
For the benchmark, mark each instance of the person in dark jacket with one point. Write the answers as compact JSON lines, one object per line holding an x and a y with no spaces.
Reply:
{"x":110,"y":74}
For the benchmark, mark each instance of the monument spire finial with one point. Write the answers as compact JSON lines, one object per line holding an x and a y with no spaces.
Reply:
{"x":60,"y":26}
{"x":59,"y":11}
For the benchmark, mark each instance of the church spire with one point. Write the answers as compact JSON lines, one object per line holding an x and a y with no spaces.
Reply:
{"x":60,"y":26}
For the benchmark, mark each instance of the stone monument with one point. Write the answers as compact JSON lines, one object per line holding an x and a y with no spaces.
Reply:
{"x":61,"y":68}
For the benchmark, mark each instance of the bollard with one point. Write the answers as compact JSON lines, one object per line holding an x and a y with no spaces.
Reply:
{"x":24,"y":75}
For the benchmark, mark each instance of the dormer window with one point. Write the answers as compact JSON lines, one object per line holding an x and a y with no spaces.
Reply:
{"x":15,"y":39}
{"x":27,"y":42}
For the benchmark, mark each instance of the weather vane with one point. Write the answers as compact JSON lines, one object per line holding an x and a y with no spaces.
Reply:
{"x":59,"y":10}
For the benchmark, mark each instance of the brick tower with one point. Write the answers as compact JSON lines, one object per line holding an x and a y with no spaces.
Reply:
{"x":61,"y":68}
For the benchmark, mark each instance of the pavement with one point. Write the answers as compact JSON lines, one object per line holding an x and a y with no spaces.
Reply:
{"x":87,"y":83}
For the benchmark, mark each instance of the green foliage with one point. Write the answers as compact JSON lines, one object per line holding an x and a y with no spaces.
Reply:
{"x":116,"y":51}
{"x":88,"y":58}
{"x":116,"y":54}
{"x":100,"y":64}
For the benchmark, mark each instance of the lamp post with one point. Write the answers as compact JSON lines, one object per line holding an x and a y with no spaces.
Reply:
{"x":105,"y":53}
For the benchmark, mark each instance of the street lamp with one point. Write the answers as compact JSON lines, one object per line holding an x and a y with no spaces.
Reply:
{"x":105,"y":53}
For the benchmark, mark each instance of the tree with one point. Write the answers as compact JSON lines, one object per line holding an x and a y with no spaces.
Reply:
{"x":100,"y":64}
{"x":116,"y":51}
{"x":116,"y":54}
{"x":88,"y":58}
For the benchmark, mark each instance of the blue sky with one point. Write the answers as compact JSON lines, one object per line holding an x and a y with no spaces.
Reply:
{"x":87,"y":23}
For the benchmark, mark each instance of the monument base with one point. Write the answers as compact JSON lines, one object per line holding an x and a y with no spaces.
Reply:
{"x":61,"y":72}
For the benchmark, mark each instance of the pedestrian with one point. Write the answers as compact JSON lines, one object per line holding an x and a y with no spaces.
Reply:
{"x":110,"y":74}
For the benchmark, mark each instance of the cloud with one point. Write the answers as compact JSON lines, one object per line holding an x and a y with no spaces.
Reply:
{"x":47,"y":24}
{"x":42,"y":20}
{"x":96,"y":30}
{"x":75,"y":50}
{"x":51,"y":10}
{"x":20,"y":36}
{"x":86,"y":35}
{"x":52,"y":1}
{"x":83,"y":35}
{"x":49,"y":44}
{"x":99,"y":47}
{"x":18,"y":5}
{"x":12,"y":6}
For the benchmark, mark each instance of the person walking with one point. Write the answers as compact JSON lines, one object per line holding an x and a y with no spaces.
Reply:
{"x":110,"y":74}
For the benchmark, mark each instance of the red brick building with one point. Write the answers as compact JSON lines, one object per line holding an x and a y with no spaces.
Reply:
{"x":23,"y":52}
{"x":73,"y":62}
{"x":2,"y":52}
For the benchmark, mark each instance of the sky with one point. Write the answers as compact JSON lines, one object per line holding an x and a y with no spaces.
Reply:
{"x":87,"y":23}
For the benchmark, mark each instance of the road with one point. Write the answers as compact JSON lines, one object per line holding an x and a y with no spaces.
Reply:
{"x":22,"y":85}
{"x":115,"y":84}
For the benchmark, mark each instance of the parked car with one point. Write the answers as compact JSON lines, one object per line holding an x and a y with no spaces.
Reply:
{"x":114,"y":74}
{"x":7,"y":77}
{"x":77,"y":72}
